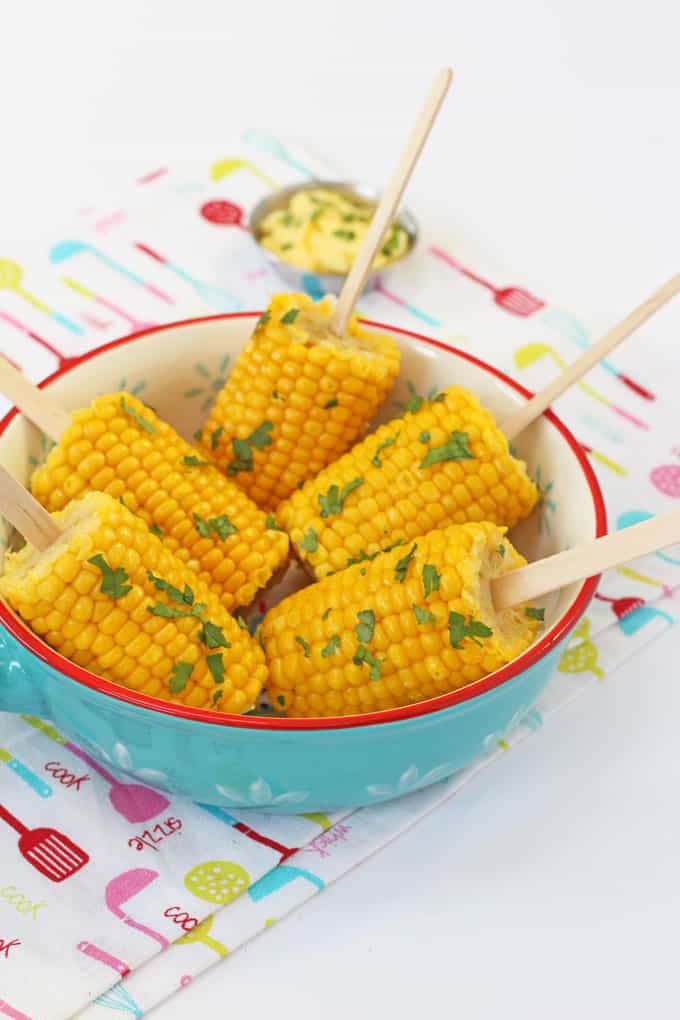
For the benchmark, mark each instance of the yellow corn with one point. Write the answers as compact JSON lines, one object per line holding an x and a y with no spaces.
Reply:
{"x":411,"y":624}
{"x":189,"y":651}
{"x":119,"y":446}
{"x":297,"y":398}
{"x":446,"y":463}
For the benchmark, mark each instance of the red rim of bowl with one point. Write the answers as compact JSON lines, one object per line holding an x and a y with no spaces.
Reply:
{"x":557,"y":632}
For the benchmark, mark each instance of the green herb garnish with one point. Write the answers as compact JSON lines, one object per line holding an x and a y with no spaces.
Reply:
{"x":281,"y":700}
{"x":136,"y":416}
{"x":212,"y":635}
{"x":242,"y":623}
{"x":317,"y":212}
{"x":535,"y":614}
{"x":220,"y":526}
{"x":264,"y":319}
{"x":215,"y":664}
{"x":181,"y":672}
{"x":310,"y":542}
{"x":184,"y":598}
{"x":456,"y":447}
{"x":363,"y":655}
{"x":327,"y":613}
{"x":473,"y":629}
{"x":402,"y":566}
{"x":375,"y":459}
{"x":194,"y":461}
{"x":330,"y":403}
{"x":290,"y":316}
{"x":424,"y":437}
{"x":333,"y":501}
{"x":113,"y":581}
{"x":303,"y":644}
{"x":431,"y":579}
{"x":285,"y":247}
{"x":424,"y":615}
{"x":345,"y":235}
{"x":215,"y":437}
{"x":501,"y":551}
{"x":155,"y":530}
{"x":270,"y":523}
{"x":332,"y":646}
{"x":243,"y":448}
{"x":364,"y":629}
{"x":288,"y":220}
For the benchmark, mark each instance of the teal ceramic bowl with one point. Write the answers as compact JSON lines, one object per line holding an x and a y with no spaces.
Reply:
{"x":289,"y":765}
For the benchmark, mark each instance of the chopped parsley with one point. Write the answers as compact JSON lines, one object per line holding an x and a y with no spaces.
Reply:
{"x":424,"y":437}
{"x":243,"y":448}
{"x":366,"y":626}
{"x":136,"y":416}
{"x":290,"y":316}
{"x":215,"y":664}
{"x":194,"y":461}
{"x":270,"y":523}
{"x":317,"y":212}
{"x":212,"y":635}
{"x":332,"y":646}
{"x":473,"y":629}
{"x":281,"y":700}
{"x":361,"y":656}
{"x":184,"y":598}
{"x":303,"y":644}
{"x":501,"y":551}
{"x":285,"y":247}
{"x":334,"y":500}
{"x":456,"y":447}
{"x":375,"y":459}
{"x":217,"y":696}
{"x":330,"y":403}
{"x":535,"y":614}
{"x":424,"y":615}
{"x":345,"y":235}
{"x":288,"y":220}
{"x":327,"y":613}
{"x":431,"y":579}
{"x":181,"y":672}
{"x":402,"y":566}
{"x":220,"y":526}
{"x":155,"y":530}
{"x":416,"y":401}
{"x":310,"y":542}
{"x":215,"y":437}
{"x":277,"y":396}
{"x":242,"y":623}
{"x":264,"y":319}
{"x":113,"y":581}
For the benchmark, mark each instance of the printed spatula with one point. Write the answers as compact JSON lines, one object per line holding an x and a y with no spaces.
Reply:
{"x":50,"y":852}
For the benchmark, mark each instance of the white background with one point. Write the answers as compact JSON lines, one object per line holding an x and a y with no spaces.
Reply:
{"x":549,"y":887}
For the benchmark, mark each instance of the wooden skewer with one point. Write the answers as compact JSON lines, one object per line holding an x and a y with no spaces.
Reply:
{"x":39,"y":406}
{"x":585,"y":560}
{"x":523,"y":417}
{"x":389,"y":203}
{"x":26,"y":514}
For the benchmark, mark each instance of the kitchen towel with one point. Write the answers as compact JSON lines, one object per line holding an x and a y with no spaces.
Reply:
{"x":172,"y":887}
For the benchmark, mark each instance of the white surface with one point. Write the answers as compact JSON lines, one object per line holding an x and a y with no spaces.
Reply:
{"x":549,"y":886}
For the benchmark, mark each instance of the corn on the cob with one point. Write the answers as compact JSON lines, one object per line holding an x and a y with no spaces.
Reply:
{"x":121,"y":447}
{"x":413,"y":623}
{"x":297,"y":398}
{"x":446,"y":463}
{"x":111,"y":597}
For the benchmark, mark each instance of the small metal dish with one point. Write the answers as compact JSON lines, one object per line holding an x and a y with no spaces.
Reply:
{"x":318,"y":284}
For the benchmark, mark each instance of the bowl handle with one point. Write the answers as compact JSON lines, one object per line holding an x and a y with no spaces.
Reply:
{"x":21,"y":689}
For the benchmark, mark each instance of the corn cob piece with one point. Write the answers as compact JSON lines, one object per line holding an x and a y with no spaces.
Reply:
{"x":121,"y":447}
{"x":446,"y":463}
{"x":411,"y":624}
{"x":297,"y":398}
{"x":111,"y":597}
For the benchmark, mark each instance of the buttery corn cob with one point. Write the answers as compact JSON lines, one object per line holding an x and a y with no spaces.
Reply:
{"x":111,"y":597}
{"x":297,"y":397}
{"x":446,"y":463}
{"x":411,"y":624}
{"x":119,"y":446}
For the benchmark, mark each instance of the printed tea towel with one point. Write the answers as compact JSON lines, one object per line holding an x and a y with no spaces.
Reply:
{"x":113,"y":893}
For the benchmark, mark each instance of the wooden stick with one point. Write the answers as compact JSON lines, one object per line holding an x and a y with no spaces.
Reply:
{"x":585,"y":560}
{"x":523,"y":417}
{"x":389,"y":203}
{"x":26,"y":514}
{"x":37,"y":405}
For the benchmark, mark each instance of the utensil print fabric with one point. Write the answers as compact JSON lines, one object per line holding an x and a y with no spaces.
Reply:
{"x":163,"y":872}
